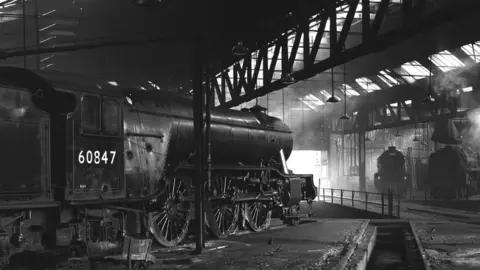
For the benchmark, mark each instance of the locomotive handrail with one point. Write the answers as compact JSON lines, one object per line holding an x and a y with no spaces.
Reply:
{"x":389,"y":200}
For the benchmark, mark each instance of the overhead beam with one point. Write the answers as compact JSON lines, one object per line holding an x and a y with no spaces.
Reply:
{"x":374,"y":43}
{"x":418,"y":90}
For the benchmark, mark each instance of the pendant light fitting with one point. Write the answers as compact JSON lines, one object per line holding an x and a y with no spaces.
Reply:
{"x":345,"y":115}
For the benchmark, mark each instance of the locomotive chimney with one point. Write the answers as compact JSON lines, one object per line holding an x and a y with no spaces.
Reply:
{"x":445,"y":132}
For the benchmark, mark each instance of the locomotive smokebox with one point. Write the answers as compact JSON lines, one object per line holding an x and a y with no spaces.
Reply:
{"x":445,"y":132}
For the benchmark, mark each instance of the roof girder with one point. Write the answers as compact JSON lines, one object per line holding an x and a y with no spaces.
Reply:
{"x":414,"y":23}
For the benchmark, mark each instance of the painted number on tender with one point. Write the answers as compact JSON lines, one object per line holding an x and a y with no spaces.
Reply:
{"x":96,"y":157}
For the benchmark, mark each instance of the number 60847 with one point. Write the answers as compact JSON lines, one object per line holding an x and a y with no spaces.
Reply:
{"x":96,"y":157}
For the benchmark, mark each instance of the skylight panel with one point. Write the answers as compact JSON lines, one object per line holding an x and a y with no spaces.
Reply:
{"x":325,"y":93}
{"x":387,"y":79}
{"x":473,"y":51}
{"x":367,"y":84}
{"x":301,"y":109}
{"x":313,"y":99}
{"x":412,"y":71}
{"x":446,"y":61}
{"x":350,"y":91}
{"x":307,"y":102}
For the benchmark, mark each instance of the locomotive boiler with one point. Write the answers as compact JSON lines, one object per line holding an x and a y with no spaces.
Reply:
{"x":392,"y":174}
{"x":115,"y":162}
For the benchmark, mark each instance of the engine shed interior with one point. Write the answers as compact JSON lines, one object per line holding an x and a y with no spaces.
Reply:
{"x":152,"y":116}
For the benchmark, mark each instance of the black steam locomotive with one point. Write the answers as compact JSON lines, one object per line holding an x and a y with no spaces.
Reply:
{"x":392,"y":174}
{"x":453,"y":170}
{"x":109,"y":162}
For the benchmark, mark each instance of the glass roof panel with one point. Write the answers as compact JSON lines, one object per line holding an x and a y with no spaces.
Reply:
{"x":388,"y":79}
{"x":367,"y":84}
{"x":473,"y":51}
{"x":325,"y":93}
{"x":350,"y":90}
{"x":446,"y":61}
{"x":412,"y":71}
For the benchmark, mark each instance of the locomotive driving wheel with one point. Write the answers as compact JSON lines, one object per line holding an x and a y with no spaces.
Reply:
{"x":258,"y":215}
{"x":225,"y":212}
{"x":169,"y":224}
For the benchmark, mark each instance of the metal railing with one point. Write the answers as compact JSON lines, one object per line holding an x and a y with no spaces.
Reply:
{"x":368,"y":201}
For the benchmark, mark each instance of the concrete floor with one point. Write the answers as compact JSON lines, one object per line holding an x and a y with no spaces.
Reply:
{"x":450,"y":245}
{"x":450,"y":242}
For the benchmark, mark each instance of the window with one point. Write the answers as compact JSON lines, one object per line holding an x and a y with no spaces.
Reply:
{"x":111,"y":116}
{"x":90,"y":113}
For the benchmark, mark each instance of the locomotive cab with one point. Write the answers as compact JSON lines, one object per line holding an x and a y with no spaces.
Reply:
{"x":95,"y":147}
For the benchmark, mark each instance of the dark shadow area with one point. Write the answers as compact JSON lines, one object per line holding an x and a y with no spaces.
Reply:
{"x":30,"y":260}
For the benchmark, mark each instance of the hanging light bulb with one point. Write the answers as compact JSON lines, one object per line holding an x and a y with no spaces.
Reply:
{"x":146,"y":3}
{"x":415,"y":138}
{"x":428,"y":99}
{"x":333,"y":98}
{"x":398,"y":133}
{"x":345,"y":115}
{"x":240,"y":49}
{"x":288,"y":79}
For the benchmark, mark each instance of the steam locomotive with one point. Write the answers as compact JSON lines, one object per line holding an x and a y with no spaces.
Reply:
{"x":453,"y":170}
{"x":107,"y":162}
{"x":392,"y":174}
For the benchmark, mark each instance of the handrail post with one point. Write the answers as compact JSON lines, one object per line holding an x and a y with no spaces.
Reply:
{"x":366,"y":201}
{"x":353,"y":198}
{"x":323,"y":189}
{"x":383,"y":204}
{"x":341,"y":197}
{"x":390,"y":203}
{"x":331,"y":193}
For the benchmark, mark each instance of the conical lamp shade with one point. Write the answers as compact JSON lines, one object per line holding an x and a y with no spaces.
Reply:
{"x":333,"y":99}
{"x":445,"y":132}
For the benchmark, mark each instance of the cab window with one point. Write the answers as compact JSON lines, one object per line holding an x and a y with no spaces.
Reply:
{"x":111,"y":116}
{"x":90,"y":113}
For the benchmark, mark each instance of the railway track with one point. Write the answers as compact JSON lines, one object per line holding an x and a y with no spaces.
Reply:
{"x":395,"y":248}
{"x":388,"y":245}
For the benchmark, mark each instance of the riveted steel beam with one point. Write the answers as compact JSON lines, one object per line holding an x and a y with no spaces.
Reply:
{"x":415,"y":20}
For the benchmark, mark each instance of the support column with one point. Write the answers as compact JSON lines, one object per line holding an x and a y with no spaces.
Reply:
{"x":198,"y":111}
{"x":24,"y":20}
{"x":37,"y":35}
{"x":362,"y":168}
